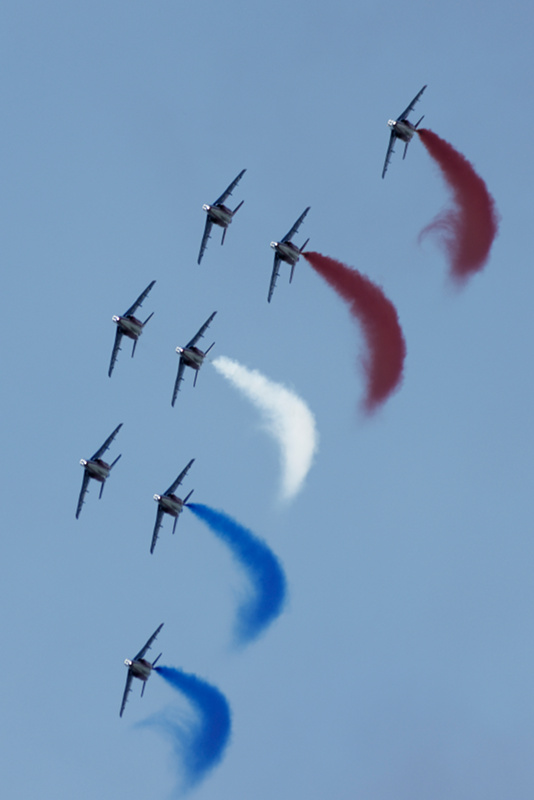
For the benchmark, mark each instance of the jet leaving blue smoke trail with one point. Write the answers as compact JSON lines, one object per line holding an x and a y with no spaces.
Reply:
{"x":199,"y":742}
{"x":264,"y":570}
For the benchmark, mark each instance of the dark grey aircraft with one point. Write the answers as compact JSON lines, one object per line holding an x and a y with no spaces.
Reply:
{"x":168,"y":503}
{"x":129,"y":326}
{"x":97,"y":469}
{"x":191,"y":356}
{"x":286,"y":251}
{"x":139,"y":667}
{"x":403,"y":129}
{"x":219,"y":214}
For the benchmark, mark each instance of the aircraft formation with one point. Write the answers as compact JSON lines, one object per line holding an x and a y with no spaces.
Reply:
{"x":129,"y":326}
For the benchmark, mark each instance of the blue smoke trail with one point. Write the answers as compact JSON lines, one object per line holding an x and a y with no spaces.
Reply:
{"x":199,"y":741}
{"x":266,"y":600}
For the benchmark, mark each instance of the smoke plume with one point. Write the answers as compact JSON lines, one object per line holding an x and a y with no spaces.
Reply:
{"x":199,"y":738}
{"x":264,"y":600}
{"x":287,"y":418}
{"x":386,"y":349}
{"x":467,"y":229}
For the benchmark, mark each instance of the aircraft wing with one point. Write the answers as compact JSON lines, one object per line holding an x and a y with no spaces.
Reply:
{"x":148,"y":645}
{"x":127,"y":689}
{"x":389,"y":152}
{"x":274,"y":276}
{"x":410,"y":107}
{"x":106,"y":444}
{"x":85,"y":484}
{"x":205,"y":237}
{"x":139,"y":300}
{"x":296,"y":226}
{"x":201,"y":332}
{"x":179,"y":377}
{"x":172,"y":488}
{"x":227,"y":192}
{"x":157,"y":526}
{"x":116,"y":347}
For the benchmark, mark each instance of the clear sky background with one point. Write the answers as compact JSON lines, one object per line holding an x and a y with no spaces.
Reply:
{"x":403,"y":665}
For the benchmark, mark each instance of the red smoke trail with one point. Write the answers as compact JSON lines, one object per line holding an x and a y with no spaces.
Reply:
{"x":467,"y":230}
{"x":378,"y":317}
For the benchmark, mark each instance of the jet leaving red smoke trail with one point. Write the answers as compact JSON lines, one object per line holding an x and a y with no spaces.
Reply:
{"x":467,"y":230}
{"x":378,"y":316}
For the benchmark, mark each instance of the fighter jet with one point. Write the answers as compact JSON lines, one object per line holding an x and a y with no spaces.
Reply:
{"x":129,"y":326}
{"x":97,"y":469}
{"x":285,"y":250}
{"x":219,"y":214}
{"x":403,"y":129}
{"x":191,"y":356}
{"x":140,"y":668}
{"x":168,"y":503}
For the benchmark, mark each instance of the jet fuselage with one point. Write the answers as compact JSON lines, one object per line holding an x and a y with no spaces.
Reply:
{"x":130,"y":326}
{"x":219,"y":214}
{"x":402,"y":129}
{"x":139,"y":669}
{"x":169,"y":503}
{"x":97,"y":469}
{"x":192,"y":356}
{"x":287,"y":251}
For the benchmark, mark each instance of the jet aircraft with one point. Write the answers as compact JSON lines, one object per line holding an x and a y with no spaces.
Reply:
{"x":191,"y":356}
{"x":129,"y":326}
{"x":285,"y":250}
{"x":96,"y":468}
{"x":140,"y":668}
{"x":219,"y":214}
{"x":168,"y":503}
{"x":403,"y":129}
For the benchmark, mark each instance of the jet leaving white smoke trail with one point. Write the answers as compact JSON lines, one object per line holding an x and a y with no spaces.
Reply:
{"x":286,"y":417}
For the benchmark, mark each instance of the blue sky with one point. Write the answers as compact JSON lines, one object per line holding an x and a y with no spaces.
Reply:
{"x":403,"y":664}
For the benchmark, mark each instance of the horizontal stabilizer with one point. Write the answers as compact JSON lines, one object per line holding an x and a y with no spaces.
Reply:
{"x":292,"y":271}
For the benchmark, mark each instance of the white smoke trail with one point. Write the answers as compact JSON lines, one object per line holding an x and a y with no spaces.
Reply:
{"x":286,"y":417}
